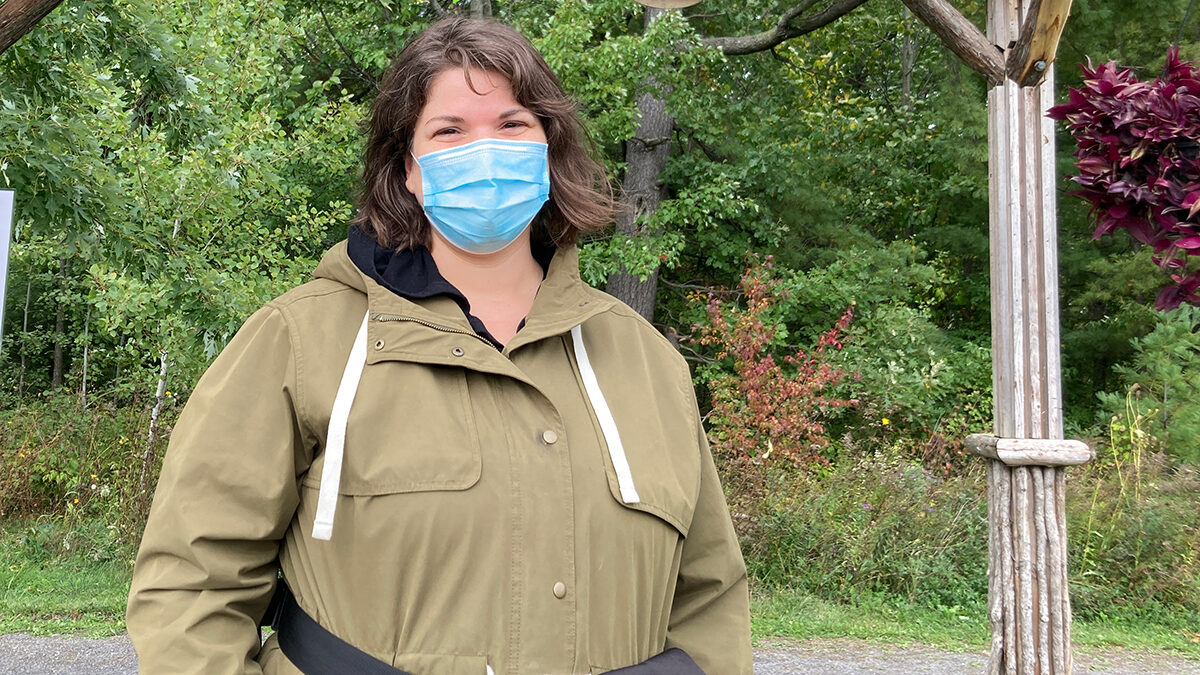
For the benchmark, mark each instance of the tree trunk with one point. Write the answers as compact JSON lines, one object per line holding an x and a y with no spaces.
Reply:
{"x":18,"y":17}
{"x":56,"y":374}
{"x":481,"y":9}
{"x":24,"y":337}
{"x":645,"y":158}
{"x":160,"y":396}
{"x":961,"y":37}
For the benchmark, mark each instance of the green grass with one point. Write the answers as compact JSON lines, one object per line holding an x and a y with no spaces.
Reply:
{"x":46,"y":591}
{"x":797,"y":615}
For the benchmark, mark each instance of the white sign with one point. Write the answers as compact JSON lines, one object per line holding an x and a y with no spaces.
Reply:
{"x":6,"y":210}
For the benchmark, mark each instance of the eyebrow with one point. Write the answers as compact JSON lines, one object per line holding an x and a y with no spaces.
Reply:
{"x":444,"y":118}
{"x":454,"y":119}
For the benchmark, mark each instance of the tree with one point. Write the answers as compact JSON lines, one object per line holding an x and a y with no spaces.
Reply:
{"x":18,"y":17}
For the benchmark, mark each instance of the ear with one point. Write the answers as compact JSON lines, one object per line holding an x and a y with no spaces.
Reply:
{"x":412,"y":178}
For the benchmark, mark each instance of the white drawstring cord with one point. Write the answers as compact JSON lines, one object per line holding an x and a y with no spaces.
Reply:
{"x":608,"y":425}
{"x":335,"y":437}
{"x":335,"y":442}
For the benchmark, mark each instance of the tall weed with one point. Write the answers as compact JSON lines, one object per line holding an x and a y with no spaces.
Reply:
{"x":78,"y":468}
{"x":873,"y":525}
{"x":1134,"y":528}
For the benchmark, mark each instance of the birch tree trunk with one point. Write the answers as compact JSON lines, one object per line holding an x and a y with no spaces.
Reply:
{"x":24,"y":337}
{"x":83,"y":399}
{"x":56,"y":373}
{"x":148,"y":455}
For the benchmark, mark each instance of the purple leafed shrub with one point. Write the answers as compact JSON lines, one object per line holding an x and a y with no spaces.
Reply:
{"x":1139,"y":162}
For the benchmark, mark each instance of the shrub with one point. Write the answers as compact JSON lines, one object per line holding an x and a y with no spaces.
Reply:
{"x":763,"y":408}
{"x":1162,"y":384}
{"x":1139,"y":162}
{"x":874,"y":525}
{"x":1133,"y":528}
{"x":765,"y":413}
{"x":80,"y":466}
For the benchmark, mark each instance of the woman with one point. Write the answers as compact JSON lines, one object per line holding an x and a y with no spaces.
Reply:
{"x":462,"y":459}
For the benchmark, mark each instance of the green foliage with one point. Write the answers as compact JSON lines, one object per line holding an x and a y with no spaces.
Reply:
{"x":873,"y":526}
{"x":165,"y":182}
{"x":1163,"y":384}
{"x":1133,"y":530}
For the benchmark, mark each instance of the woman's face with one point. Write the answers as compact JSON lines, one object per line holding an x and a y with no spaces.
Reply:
{"x":455,"y":115}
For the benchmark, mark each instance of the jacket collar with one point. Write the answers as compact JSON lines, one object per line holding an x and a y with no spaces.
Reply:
{"x":562,"y":302}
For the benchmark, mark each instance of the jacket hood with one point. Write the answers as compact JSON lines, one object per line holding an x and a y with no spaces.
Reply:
{"x":563,"y":301}
{"x":336,"y":266}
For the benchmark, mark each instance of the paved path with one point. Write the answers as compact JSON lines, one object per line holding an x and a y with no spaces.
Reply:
{"x":22,"y":654}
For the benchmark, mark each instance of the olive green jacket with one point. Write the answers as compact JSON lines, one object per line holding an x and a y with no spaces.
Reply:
{"x":480,"y":520}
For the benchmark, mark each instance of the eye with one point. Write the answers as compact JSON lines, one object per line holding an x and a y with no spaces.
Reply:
{"x":446,"y":131}
{"x":515,"y":124}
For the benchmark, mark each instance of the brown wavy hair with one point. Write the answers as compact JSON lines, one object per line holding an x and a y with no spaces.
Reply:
{"x":581,"y":197}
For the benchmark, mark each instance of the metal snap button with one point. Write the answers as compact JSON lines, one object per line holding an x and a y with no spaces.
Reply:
{"x":457,"y":351}
{"x":378,"y":345}
{"x":549,"y":437}
{"x":560,"y":590}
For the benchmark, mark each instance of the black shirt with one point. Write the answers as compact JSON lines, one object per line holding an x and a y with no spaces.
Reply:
{"x":413,"y":274}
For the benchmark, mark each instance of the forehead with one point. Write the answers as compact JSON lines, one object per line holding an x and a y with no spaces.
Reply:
{"x":454,"y":88}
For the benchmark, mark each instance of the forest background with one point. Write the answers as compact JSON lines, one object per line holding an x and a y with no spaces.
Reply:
{"x":814,"y":240}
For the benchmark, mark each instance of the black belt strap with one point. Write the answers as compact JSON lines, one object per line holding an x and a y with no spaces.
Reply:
{"x":316,"y":651}
{"x":312,"y":648}
{"x":674,"y":661}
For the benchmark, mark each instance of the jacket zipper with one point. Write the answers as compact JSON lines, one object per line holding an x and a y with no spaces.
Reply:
{"x":444,"y":329}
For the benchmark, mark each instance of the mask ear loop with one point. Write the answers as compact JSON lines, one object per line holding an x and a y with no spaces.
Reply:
{"x":335,"y":436}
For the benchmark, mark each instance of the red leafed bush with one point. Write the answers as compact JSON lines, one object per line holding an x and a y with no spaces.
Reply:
{"x":765,"y":412}
{"x":1139,"y":162}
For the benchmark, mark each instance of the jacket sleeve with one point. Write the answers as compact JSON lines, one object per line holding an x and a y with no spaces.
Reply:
{"x":710,"y":617}
{"x":228,"y":490}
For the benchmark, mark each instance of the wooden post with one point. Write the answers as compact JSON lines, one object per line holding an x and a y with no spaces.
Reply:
{"x":1029,"y":607}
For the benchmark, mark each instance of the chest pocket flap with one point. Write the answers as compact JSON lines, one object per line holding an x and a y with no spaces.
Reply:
{"x":411,"y":429}
{"x":653,"y":462}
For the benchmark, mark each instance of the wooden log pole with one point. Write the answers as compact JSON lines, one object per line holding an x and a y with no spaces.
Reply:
{"x":961,"y":37}
{"x":1030,"y":607}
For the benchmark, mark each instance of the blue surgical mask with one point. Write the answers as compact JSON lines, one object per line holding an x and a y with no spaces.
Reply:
{"x":481,"y":196}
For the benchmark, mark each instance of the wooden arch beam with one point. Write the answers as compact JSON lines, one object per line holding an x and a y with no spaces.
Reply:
{"x":1028,"y":57}
{"x":1037,"y":43}
{"x":961,"y":37}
